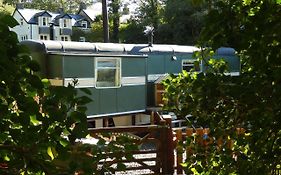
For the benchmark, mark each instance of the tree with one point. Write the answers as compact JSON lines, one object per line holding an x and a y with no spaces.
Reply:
{"x":5,"y":8}
{"x":115,"y":16}
{"x":133,"y":33}
{"x":174,"y":21}
{"x":223,"y":103}
{"x":40,"y":124}
{"x":150,"y":13}
{"x":184,"y":20}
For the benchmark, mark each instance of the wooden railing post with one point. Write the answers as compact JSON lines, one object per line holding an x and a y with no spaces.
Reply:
{"x":105,"y":122}
{"x":167,"y":147}
{"x":179,"y":152}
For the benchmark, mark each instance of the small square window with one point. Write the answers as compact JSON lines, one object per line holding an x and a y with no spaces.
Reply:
{"x":187,"y":65}
{"x":43,"y":37}
{"x":82,"y":39}
{"x":108,"y":72}
{"x":84,"y":24}
{"x":64,"y":38}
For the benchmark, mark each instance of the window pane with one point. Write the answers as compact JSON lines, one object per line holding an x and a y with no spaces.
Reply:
{"x":187,"y":67}
{"x":107,"y":64}
{"x":189,"y":64}
{"x":108,"y":73}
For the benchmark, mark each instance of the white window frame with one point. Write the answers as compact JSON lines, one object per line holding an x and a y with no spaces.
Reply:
{"x":82,"y":39}
{"x":44,"y":21}
{"x":189,"y":63}
{"x":45,"y":37}
{"x":24,"y":37}
{"x":117,"y":71}
{"x":84,"y":24}
{"x":65,"y":23}
{"x":65,"y":38}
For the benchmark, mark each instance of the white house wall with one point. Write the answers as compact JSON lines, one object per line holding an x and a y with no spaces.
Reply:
{"x":21,"y":30}
{"x":34,"y":31}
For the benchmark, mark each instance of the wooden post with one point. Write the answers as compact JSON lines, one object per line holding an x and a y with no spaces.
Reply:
{"x":189,"y":133}
{"x":105,"y":122}
{"x":179,"y":152}
{"x":133,"y":119}
{"x":199,"y":138}
{"x":168,"y":147}
{"x":170,"y":151}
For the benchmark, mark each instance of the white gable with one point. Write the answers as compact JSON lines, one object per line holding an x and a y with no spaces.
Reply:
{"x":28,"y":13}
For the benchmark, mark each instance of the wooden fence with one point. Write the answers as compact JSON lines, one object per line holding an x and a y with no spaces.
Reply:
{"x":164,"y":157}
{"x":152,"y":160}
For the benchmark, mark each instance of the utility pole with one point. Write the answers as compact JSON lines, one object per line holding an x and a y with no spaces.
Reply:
{"x":105,"y":21}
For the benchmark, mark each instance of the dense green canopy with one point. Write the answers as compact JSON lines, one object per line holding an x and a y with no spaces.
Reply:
{"x":224,"y":103}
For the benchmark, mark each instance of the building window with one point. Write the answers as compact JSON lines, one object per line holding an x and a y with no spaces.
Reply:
{"x":82,"y":39}
{"x":108,"y":72}
{"x":24,"y":37}
{"x":64,"y":38}
{"x":84,"y":24}
{"x":64,"y":23}
{"x":21,"y":21}
{"x":44,"y":21}
{"x":187,"y":65}
{"x":44,"y":37}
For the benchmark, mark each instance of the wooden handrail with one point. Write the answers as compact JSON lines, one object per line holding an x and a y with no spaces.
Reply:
{"x":123,"y":129}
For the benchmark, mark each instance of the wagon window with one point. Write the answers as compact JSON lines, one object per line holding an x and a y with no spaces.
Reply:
{"x":108,"y":72}
{"x":188,"y":65}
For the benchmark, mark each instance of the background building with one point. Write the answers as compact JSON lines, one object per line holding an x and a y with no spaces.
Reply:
{"x":45,"y":25}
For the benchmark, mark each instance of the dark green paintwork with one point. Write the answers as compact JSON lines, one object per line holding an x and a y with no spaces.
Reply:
{"x":55,"y":66}
{"x":155,"y":64}
{"x":78,"y":66}
{"x":161,"y":64}
{"x":107,"y":101}
{"x":131,"y":97}
{"x":77,"y":60}
{"x":133,"y":67}
{"x":94,"y":106}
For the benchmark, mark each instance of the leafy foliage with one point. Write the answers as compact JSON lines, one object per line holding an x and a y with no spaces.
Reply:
{"x":223,"y":103}
{"x":174,"y":22}
{"x":184,"y":23}
{"x":40,"y":124}
{"x":115,"y":16}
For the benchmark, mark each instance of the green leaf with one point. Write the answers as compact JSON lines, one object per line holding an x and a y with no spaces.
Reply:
{"x":34,"y":66}
{"x":50,"y":152}
{"x":36,"y":82}
{"x":34,"y":120}
{"x":64,"y":142}
{"x":9,"y":20}
{"x":80,"y":130}
{"x":84,"y":100}
{"x":121,"y":166}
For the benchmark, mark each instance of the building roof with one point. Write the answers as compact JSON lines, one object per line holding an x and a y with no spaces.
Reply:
{"x":93,"y":11}
{"x":31,"y":16}
{"x":28,"y":14}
